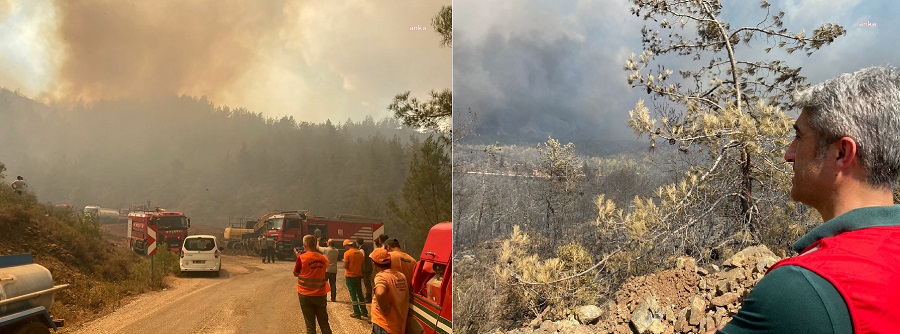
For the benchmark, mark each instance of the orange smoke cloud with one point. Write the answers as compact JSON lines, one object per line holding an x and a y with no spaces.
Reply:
{"x":117,"y":49}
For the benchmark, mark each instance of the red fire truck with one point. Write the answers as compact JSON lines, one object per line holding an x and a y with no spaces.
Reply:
{"x":171,"y":229}
{"x":289,"y":227}
{"x":431,"y":306}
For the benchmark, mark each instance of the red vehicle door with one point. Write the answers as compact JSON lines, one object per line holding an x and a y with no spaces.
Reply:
{"x":431,"y":307}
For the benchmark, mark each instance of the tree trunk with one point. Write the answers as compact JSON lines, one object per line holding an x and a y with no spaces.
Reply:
{"x":746,"y":196}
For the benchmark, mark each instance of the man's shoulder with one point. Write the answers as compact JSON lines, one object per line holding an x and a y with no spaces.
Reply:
{"x":791,"y":299}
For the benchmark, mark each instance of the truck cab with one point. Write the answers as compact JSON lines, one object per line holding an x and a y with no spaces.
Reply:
{"x":286,"y":227}
{"x":431,"y":306}
{"x":171,"y":229}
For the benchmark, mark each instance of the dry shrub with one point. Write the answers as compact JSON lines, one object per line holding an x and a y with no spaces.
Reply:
{"x":473,"y":283}
{"x":529,"y":286}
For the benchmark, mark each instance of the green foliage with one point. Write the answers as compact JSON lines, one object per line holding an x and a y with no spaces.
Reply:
{"x":88,"y":224}
{"x":561,"y":165}
{"x":433,"y":114}
{"x":426,"y":198}
{"x":443,"y":25}
{"x":164,"y":263}
{"x":561,"y":172}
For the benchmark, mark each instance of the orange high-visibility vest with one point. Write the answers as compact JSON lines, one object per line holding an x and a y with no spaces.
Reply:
{"x":311,"y":281}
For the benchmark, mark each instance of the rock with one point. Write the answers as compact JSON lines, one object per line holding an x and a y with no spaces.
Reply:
{"x":681,"y":322}
{"x":669,"y":329}
{"x":697,"y":311}
{"x":686,"y":263}
{"x":548,"y":326}
{"x":725,"y":299}
{"x":567,"y":325}
{"x":749,"y":256}
{"x":657,"y":327}
{"x":722,"y":286}
{"x":589,"y":314}
{"x":730,"y":280}
{"x":582,"y":330}
{"x":709,"y":323}
{"x":744,"y":293}
{"x":669,"y":314}
{"x":702,"y":272}
{"x":646,"y":315}
{"x":721,"y":316}
{"x":764,"y":263}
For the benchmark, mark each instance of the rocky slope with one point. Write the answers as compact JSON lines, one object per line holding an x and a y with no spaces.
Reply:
{"x":686,"y":299}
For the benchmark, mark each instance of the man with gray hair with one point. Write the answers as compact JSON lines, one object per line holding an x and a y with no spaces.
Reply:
{"x":846,"y":158}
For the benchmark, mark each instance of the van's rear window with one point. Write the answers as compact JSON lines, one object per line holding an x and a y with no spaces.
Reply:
{"x":199,"y":244}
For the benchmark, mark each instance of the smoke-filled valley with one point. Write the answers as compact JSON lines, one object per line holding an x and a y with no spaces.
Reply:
{"x":211,"y":162}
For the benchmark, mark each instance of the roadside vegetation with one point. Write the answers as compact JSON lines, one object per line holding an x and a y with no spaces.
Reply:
{"x":101,"y":275}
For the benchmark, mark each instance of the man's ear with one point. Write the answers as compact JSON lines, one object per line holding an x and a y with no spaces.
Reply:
{"x":846,"y":152}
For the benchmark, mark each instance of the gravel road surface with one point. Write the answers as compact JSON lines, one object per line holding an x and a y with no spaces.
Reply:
{"x":248,"y":297}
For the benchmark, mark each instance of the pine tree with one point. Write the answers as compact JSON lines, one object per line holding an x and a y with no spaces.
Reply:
{"x":425,"y":199}
{"x":728,"y":108}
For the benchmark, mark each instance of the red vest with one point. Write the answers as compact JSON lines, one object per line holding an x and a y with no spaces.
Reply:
{"x":864,"y":266}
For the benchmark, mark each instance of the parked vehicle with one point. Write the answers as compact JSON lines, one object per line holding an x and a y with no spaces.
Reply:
{"x":26,"y":294}
{"x":201,"y":253}
{"x":431,"y":306}
{"x":289,"y":227}
{"x":171,"y":229}
{"x":103,"y":215}
{"x":235,"y":231}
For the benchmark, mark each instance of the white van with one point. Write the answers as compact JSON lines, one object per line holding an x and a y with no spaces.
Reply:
{"x":201,"y":253}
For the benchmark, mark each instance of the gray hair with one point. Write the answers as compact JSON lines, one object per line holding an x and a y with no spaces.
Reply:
{"x":863,"y":105}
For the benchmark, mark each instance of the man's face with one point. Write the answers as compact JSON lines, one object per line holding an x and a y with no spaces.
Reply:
{"x":810,"y":184}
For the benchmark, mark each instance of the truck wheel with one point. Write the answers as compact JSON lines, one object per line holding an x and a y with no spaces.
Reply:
{"x":32,"y":327}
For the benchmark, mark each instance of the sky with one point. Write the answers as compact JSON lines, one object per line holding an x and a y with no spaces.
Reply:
{"x":556,"y":67}
{"x":313,"y":60}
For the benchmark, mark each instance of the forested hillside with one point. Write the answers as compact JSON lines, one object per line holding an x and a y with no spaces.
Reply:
{"x":212,"y":162}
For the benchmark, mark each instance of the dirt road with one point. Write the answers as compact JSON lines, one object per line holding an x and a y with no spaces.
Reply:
{"x":248,"y":297}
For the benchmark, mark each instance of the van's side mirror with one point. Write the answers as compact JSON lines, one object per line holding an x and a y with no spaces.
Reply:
{"x":189,"y":222}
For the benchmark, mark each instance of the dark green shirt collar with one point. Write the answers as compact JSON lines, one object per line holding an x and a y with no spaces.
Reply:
{"x":850,"y":221}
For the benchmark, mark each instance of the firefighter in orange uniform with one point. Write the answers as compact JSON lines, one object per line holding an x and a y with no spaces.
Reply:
{"x":353,"y":263}
{"x":400,"y":261}
{"x":312,"y":286}
{"x":391,"y":298}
